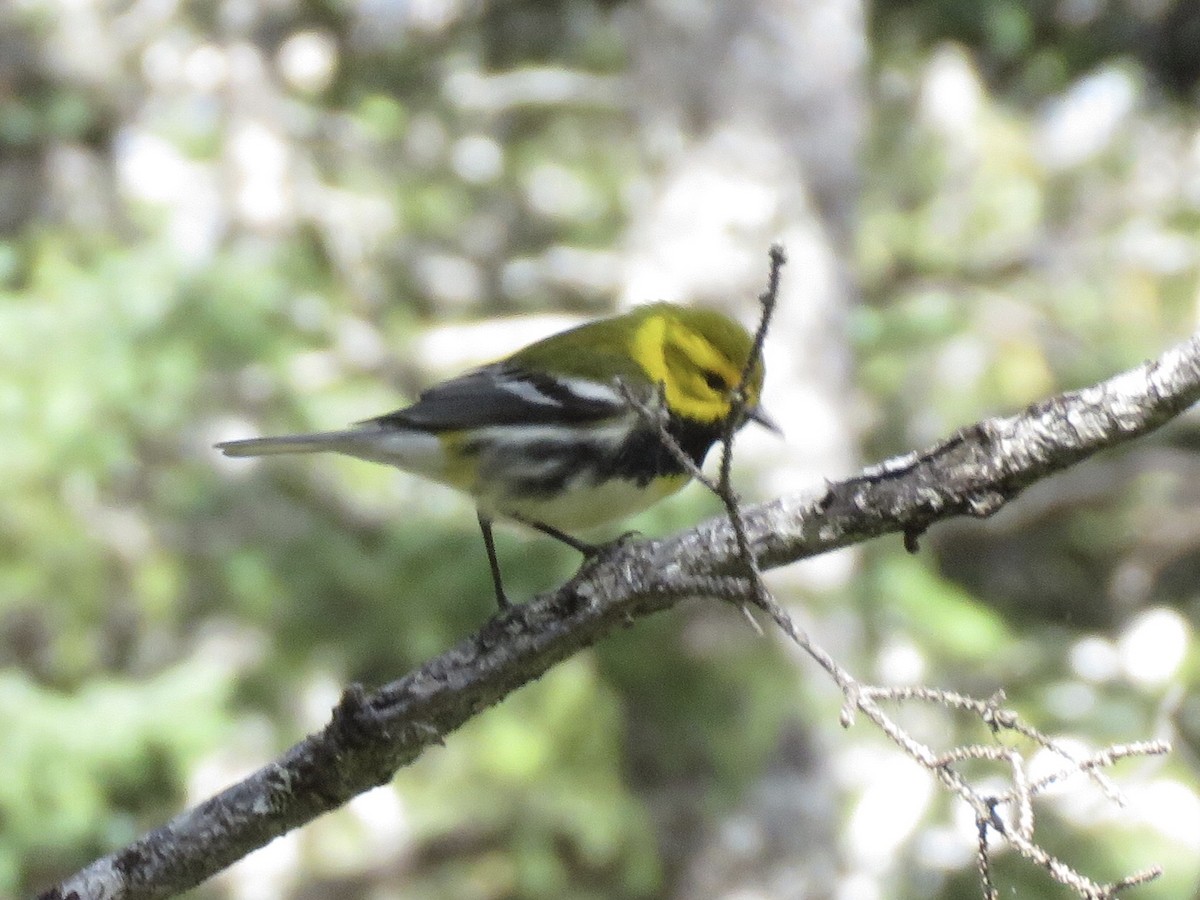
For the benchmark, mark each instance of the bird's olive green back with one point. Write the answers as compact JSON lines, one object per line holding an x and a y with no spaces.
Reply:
{"x":696,"y":354}
{"x":609,"y":348}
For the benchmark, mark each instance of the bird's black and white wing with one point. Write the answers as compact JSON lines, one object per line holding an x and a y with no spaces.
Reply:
{"x":502,"y":394}
{"x":503,"y":408}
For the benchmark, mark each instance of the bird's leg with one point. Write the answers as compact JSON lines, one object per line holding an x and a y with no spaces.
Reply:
{"x":592,"y":553}
{"x":485,"y":526}
{"x":574,"y":543}
{"x":588,"y":550}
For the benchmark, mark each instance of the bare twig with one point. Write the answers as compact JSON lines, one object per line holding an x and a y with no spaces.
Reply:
{"x":737,"y":412}
{"x":983,"y":860}
{"x":862,"y":698}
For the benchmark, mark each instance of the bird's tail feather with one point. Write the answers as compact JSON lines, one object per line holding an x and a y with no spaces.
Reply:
{"x":320,"y":442}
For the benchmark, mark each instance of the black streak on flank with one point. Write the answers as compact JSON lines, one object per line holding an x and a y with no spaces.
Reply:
{"x":641,"y":458}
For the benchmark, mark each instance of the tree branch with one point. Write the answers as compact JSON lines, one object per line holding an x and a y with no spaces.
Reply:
{"x":974,"y":472}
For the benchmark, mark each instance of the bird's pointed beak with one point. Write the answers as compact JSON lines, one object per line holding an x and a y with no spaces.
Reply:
{"x":759,"y":415}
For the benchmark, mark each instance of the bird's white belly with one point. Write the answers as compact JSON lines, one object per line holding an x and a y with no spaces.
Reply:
{"x":489,"y":475}
{"x":583,"y":505}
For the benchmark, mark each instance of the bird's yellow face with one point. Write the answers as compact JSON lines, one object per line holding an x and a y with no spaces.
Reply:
{"x":698,"y":356}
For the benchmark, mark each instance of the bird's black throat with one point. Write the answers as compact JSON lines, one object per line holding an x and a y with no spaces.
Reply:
{"x":641,"y":458}
{"x":644,"y":456}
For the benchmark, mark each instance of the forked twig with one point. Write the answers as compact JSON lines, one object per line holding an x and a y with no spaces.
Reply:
{"x":859,"y":698}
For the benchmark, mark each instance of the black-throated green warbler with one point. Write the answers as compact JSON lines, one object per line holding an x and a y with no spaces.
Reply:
{"x":544,"y":437}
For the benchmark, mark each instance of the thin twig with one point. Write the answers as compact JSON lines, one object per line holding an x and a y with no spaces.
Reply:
{"x":858,"y":698}
{"x":983,"y":860}
{"x":767,"y":300}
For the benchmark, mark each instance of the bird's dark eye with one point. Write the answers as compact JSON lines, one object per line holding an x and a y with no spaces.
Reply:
{"x":715,"y":381}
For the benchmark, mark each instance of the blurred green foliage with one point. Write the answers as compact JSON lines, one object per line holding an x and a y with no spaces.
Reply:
{"x":244,"y":222}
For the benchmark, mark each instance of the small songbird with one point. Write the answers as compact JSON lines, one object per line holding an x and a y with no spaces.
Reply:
{"x":546,"y":438}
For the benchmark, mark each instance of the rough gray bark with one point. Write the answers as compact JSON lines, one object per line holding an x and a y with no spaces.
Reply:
{"x":975,"y":472}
